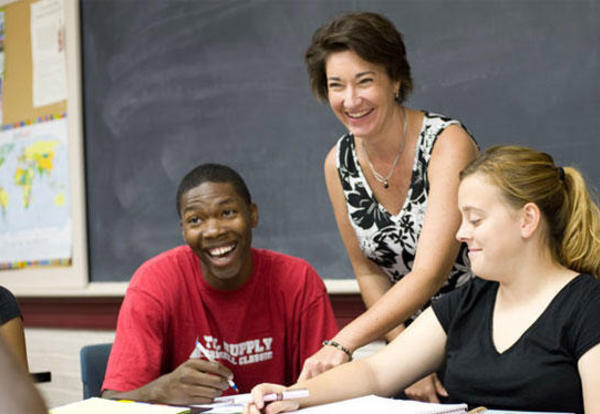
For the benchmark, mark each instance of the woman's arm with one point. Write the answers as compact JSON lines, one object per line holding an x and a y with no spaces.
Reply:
{"x":589,"y":371}
{"x":17,"y":392}
{"x":372,"y":281}
{"x":14,"y":337}
{"x":436,"y":252}
{"x":418,"y":351}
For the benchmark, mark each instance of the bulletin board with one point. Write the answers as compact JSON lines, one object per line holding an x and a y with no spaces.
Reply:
{"x":17,"y":91}
{"x":52,"y":276}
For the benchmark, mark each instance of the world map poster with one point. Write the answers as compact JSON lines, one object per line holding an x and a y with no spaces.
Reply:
{"x":35,"y":214}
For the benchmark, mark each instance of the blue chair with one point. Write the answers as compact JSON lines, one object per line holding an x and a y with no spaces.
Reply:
{"x":93,"y":367}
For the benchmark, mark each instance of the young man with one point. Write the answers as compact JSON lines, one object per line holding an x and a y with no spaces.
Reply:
{"x":258,"y":313}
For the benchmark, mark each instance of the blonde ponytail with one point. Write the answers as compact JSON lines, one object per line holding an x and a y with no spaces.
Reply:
{"x":580,"y":244}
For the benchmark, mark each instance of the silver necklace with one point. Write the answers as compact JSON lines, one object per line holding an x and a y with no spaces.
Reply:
{"x":386,"y":180}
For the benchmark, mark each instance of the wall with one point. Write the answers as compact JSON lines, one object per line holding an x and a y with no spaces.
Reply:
{"x":57,"y":351}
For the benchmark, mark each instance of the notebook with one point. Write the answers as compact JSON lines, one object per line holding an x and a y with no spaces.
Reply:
{"x":101,"y":405}
{"x":381,"y":405}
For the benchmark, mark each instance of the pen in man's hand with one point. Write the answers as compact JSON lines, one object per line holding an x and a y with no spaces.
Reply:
{"x":206,"y":354}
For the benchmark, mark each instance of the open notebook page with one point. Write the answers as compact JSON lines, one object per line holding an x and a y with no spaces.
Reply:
{"x":380,"y":405}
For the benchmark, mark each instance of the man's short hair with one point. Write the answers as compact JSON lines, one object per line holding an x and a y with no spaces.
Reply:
{"x":216,"y":173}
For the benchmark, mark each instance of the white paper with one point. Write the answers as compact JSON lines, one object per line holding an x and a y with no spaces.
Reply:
{"x":360,"y":405}
{"x":1,"y":59}
{"x":102,"y":406}
{"x":380,"y":405}
{"x":48,"y":52}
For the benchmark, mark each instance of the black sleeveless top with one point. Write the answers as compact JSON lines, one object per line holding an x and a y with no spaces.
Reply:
{"x":391,"y":241}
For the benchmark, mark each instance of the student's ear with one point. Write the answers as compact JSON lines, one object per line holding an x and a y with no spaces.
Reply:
{"x":253,"y":215}
{"x":531,"y":217}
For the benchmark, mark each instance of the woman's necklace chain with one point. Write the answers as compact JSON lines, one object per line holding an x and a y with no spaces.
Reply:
{"x":386,"y":180}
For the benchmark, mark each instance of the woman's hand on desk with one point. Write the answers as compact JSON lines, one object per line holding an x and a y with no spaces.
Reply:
{"x":321,"y":361}
{"x":259,"y":406}
{"x":427,"y":389}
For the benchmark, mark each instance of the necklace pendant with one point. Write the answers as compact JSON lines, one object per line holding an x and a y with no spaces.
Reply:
{"x":386,"y":184}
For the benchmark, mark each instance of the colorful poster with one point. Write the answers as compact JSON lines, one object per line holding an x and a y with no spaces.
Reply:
{"x":35,"y":214}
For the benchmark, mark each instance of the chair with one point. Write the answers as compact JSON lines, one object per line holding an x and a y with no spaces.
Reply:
{"x":93,"y":367}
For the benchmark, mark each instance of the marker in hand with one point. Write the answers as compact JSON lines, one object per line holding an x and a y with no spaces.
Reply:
{"x":276,"y":396}
{"x":200,"y":350}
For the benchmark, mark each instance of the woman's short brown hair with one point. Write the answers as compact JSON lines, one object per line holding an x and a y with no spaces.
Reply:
{"x":371,"y":36}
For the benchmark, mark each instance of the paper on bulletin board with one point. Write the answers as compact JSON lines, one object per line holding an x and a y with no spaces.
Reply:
{"x":35,"y":216}
{"x":1,"y":59}
{"x":48,"y":52}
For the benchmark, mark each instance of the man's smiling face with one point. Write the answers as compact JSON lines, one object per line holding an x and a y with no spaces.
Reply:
{"x":217,"y":224}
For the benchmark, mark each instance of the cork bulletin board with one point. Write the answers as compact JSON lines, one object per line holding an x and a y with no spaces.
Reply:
{"x":17,"y":87}
{"x":20,"y":116}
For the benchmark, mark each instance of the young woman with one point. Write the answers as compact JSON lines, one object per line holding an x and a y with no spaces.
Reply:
{"x":17,"y":392}
{"x":11,"y":326}
{"x":391,"y":180}
{"x":526,"y":336}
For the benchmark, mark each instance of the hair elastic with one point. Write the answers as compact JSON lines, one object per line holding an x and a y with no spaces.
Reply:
{"x":561,"y":172}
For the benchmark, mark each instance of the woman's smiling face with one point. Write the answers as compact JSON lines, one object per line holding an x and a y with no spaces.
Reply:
{"x":361,"y":94}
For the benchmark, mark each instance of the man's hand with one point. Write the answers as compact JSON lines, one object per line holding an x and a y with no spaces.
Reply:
{"x":322,"y":360}
{"x":426,"y":389}
{"x":196,"y":381}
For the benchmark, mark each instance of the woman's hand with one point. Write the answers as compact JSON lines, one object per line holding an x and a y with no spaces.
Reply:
{"x":426,"y":389}
{"x":258,"y":405}
{"x":321,"y":361}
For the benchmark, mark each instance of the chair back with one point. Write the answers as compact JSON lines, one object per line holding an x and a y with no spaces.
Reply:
{"x":93,"y":367}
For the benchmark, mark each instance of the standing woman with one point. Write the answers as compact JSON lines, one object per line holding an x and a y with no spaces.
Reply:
{"x":392,"y":181}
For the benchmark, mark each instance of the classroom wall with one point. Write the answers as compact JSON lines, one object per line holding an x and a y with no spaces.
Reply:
{"x":57,"y":351}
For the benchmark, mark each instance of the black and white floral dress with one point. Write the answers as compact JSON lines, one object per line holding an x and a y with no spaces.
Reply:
{"x":391,"y":241}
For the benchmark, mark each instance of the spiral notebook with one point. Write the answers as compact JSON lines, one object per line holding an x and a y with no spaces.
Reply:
{"x":380,"y":405}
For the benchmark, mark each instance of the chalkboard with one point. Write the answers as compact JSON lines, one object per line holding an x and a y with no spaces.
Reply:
{"x":171,"y":84}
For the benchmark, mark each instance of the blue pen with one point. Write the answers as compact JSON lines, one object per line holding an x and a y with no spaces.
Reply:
{"x":206,"y":354}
